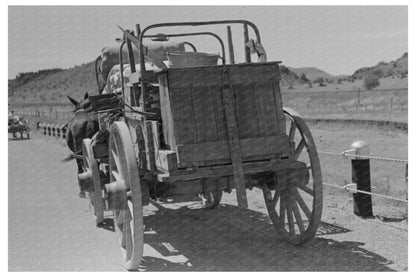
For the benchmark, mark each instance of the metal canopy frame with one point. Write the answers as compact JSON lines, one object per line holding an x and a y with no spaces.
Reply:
{"x":195,"y":34}
{"x":245,"y":23}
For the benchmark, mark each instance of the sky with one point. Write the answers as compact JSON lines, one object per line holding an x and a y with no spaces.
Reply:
{"x":336,"y":39}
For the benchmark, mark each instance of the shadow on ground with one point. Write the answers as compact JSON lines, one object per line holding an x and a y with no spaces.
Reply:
{"x":230,"y":239}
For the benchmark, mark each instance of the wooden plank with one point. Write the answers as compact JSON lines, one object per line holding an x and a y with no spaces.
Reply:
{"x":168,"y":125}
{"x":240,"y":74}
{"x":277,"y":96}
{"x":182,"y":114}
{"x":219,"y":113}
{"x":268,"y":109}
{"x":227,"y":170}
{"x":156,"y":136}
{"x":198,"y":113}
{"x":234,"y":141}
{"x":209,"y":114}
{"x":150,"y":149}
{"x":219,"y":150}
{"x":166,"y":160}
{"x":246,"y":111}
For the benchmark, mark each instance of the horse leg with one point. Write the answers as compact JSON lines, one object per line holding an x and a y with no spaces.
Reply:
{"x":81,"y":193}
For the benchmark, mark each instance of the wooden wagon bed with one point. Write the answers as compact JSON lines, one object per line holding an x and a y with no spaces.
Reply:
{"x":194,"y":113}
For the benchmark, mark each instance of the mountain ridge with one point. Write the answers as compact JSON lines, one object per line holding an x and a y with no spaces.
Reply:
{"x":53,"y":85}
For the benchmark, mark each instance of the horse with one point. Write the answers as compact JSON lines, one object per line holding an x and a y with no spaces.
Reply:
{"x":81,"y":125}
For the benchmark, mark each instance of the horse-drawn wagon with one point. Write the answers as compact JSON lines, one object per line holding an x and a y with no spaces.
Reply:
{"x":181,"y":124}
{"x":18,"y":124}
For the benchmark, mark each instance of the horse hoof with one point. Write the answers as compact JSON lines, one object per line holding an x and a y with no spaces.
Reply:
{"x":82,"y":194}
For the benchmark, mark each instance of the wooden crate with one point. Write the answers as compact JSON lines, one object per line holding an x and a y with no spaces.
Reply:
{"x":194,"y":113}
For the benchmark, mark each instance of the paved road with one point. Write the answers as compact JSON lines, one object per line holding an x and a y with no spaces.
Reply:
{"x":51,"y":229}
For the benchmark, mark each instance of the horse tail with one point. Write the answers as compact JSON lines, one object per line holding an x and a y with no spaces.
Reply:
{"x":68,"y":158}
{"x":72,"y":156}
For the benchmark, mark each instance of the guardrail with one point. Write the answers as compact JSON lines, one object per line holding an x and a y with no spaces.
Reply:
{"x":55,"y":130}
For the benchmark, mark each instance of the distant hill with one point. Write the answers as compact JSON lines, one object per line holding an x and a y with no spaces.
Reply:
{"x":312,"y":73}
{"x":53,"y":85}
{"x":398,"y":68}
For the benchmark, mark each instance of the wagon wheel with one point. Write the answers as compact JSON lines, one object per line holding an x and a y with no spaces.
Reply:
{"x":128,"y":216}
{"x":295,"y":209}
{"x":211,"y":199}
{"x":90,"y":164}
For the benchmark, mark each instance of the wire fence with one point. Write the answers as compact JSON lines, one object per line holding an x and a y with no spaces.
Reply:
{"x":388,"y":175}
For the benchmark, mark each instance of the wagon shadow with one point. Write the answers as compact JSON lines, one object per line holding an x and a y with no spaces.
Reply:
{"x":230,"y":239}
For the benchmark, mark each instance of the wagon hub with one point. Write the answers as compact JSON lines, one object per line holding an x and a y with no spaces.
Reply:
{"x":291,"y":177}
{"x":116,"y":196}
{"x":85,"y":181}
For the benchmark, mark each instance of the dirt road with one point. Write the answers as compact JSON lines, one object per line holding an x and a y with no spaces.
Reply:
{"x":51,"y":229}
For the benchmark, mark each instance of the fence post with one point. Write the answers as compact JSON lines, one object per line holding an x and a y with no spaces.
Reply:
{"x":63,"y":132}
{"x":360,"y":168}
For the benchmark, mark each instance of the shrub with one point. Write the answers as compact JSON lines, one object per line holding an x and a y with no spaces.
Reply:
{"x":371,"y":81}
{"x":318,"y":80}
{"x":303,"y":78}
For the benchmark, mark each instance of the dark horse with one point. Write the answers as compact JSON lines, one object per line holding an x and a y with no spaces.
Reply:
{"x":82,"y":125}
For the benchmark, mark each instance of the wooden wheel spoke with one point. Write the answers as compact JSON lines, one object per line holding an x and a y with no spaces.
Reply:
{"x":283,"y":209}
{"x":299,"y":148}
{"x":290,"y":219}
{"x":298,"y":217}
{"x":292,"y":131}
{"x":305,"y":189}
{"x":117,"y":176}
{"x":275,"y":199}
{"x":302,"y":204}
{"x":119,"y":218}
{"x":123,"y":241}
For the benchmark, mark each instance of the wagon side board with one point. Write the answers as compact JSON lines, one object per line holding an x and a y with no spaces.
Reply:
{"x":194,"y":114}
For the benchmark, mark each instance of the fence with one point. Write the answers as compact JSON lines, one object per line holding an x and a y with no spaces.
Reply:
{"x":46,"y":115}
{"x":55,"y":130}
{"x":361,"y":177}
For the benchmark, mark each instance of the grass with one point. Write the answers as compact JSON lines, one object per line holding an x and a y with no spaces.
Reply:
{"x":385,"y":105}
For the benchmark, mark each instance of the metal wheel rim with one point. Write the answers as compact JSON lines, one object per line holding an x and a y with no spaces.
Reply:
{"x":128,"y":223}
{"x":90,"y":163}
